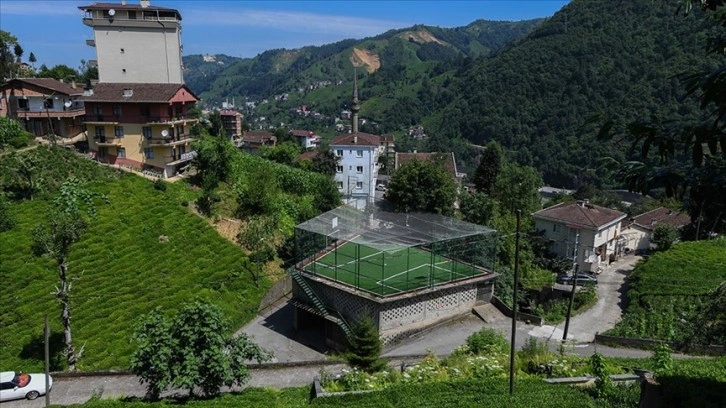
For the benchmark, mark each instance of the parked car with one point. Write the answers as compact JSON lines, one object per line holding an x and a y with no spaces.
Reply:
{"x":22,"y":385}
{"x":582,"y":278}
{"x":381,"y":187}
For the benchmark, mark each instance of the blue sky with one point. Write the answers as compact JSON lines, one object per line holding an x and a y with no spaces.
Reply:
{"x":54,"y":32}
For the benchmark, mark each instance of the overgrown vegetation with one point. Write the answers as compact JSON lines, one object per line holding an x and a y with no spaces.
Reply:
{"x":671,"y":290}
{"x":144,"y":250}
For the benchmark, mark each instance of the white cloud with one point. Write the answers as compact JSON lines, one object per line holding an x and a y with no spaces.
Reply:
{"x":40,"y":8}
{"x":293,"y":21}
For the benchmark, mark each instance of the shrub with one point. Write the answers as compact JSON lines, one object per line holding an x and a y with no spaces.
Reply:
{"x":487,"y":341}
{"x":365,"y":350}
{"x":160,"y":185}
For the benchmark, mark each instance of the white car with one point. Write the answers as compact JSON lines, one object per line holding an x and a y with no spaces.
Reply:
{"x":22,"y":385}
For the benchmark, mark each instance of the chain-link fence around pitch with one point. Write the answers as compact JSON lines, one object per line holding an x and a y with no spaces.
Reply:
{"x":386,"y":253}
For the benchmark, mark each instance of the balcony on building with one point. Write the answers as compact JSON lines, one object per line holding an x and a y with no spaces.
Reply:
{"x":107,"y":141}
{"x":182,"y":158}
{"x":101,"y":120}
{"x":129,"y":17}
{"x":91,"y":42}
{"x":168,"y":120}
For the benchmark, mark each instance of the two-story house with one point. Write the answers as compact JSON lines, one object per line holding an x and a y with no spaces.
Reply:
{"x":306,"y":138}
{"x":357,"y":170}
{"x":586,"y":233}
{"x":141,"y":125}
{"x":44,"y":106}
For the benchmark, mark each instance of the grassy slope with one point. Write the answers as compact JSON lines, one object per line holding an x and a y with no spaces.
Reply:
{"x":666,"y":290}
{"x":120,"y":270}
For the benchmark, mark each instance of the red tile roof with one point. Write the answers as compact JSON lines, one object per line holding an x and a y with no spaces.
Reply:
{"x":152,"y":93}
{"x":449,"y":161}
{"x":651,"y":219}
{"x":258,"y":136}
{"x":580,"y":214}
{"x":356,"y":139}
{"x":308,"y":155}
{"x":229,"y":112}
{"x":387,"y":138}
{"x":53,"y":85}
{"x":302,"y":133}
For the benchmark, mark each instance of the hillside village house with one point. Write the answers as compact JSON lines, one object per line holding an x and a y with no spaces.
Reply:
{"x":357,"y":170}
{"x":306,"y":138}
{"x":253,"y":140}
{"x":44,"y":106}
{"x":638,"y":234}
{"x":232,"y":123}
{"x":141,"y":125}
{"x":581,"y":231}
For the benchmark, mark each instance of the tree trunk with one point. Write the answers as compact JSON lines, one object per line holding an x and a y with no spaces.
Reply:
{"x":62,"y":294}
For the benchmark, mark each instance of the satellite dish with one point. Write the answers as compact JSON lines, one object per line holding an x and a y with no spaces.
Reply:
{"x":165,"y":133}
{"x":67,"y":104}
{"x":112,"y":12}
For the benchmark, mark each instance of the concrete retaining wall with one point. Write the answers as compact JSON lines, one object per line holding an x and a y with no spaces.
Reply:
{"x":524,"y":317}
{"x":279,"y":290}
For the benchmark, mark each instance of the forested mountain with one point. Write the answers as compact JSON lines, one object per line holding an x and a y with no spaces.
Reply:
{"x":615,"y":58}
{"x":392,"y":54}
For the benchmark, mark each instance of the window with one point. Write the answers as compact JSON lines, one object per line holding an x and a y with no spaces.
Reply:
{"x":180,"y":130}
{"x":23,"y":104}
{"x":98,"y":109}
{"x":48,"y":103}
{"x":359,"y":153}
{"x":102,"y":151}
{"x":117,"y":111}
{"x":359,"y":185}
{"x":146,"y":130}
{"x":599,"y":234}
{"x":118,"y":131}
{"x":145,"y":111}
{"x":359,"y":169}
{"x":339,"y":153}
{"x":100,"y":131}
{"x":121,"y":152}
{"x":132,"y":15}
{"x":338,"y":169}
{"x":149,"y":153}
{"x":339,"y":185}
{"x":555,"y":227}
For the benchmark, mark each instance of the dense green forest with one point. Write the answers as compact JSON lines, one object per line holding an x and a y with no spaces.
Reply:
{"x":282,"y":70}
{"x":614,"y":58}
{"x":535,"y":95}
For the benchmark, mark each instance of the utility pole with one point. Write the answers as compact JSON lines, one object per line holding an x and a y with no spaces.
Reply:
{"x":46,"y":340}
{"x":514,"y":308}
{"x":574,"y":286}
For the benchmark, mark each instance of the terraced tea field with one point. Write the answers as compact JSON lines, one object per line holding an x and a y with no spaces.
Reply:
{"x":145,"y":250}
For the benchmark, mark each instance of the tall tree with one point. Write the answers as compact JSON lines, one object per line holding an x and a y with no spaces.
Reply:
{"x":32,"y":59}
{"x":192,"y":351}
{"x":489,"y":167}
{"x":18,"y":51}
{"x":422,"y":185}
{"x":214,"y":162}
{"x":517,"y":188}
{"x":325,"y":162}
{"x":7,"y":56}
{"x":66,"y":223}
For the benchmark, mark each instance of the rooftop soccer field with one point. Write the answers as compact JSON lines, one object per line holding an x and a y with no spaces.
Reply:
{"x":387,"y":273}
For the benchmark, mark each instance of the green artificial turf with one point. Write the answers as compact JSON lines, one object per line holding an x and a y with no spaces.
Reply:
{"x":388,"y":273}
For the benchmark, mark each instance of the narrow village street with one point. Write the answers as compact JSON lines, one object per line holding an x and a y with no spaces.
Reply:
{"x":299,"y":356}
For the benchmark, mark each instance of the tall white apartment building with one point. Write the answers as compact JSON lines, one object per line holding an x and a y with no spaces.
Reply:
{"x":136,"y":43}
{"x":357,"y":170}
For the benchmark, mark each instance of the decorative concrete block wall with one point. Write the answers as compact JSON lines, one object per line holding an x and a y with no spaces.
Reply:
{"x":402,"y":315}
